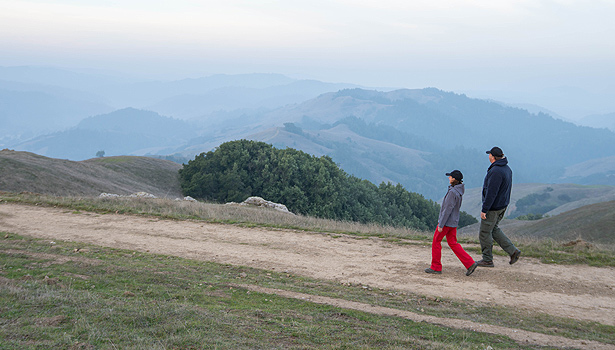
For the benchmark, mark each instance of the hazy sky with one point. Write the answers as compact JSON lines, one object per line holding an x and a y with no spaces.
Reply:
{"x":456,"y":45}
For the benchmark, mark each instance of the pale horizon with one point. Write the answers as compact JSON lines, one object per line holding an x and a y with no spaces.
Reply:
{"x":523,"y":51}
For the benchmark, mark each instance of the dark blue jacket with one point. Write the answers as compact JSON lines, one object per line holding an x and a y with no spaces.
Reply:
{"x":497,"y":186}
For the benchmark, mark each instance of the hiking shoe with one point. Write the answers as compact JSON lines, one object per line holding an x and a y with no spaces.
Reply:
{"x":429,"y":270}
{"x":514,"y":256}
{"x":483,"y":263}
{"x":471,"y":268}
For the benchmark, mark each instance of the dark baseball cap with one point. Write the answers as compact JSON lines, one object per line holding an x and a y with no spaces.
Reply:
{"x":496,"y":152}
{"x":456,"y":174}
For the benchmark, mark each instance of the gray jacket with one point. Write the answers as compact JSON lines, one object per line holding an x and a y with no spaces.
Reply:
{"x":449,"y":211}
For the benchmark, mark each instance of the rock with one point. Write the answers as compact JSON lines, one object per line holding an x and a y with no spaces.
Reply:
{"x":260,"y":202}
{"x":142,"y":195}
{"x":108,"y":195}
{"x":134,"y":195}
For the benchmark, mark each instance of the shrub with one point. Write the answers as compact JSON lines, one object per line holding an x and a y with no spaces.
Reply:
{"x":306,"y":184}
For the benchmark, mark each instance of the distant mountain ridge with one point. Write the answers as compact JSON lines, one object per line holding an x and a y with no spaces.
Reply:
{"x":406,"y":136}
{"x":123,"y":132}
{"x":453,"y":132}
{"x":196,"y":104}
{"x":599,"y":121}
{"x":29,"y":113}
{"x":410,"y":137}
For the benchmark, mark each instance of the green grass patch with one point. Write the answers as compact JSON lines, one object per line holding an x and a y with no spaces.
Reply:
{"x":98,"y":298}
{"x":73,"y":295}
{"x":552,"y":252}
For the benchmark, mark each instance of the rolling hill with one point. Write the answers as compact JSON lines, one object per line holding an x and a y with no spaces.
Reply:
{"x":24,"y":171}
{"x":547,"y":199}
{"x":404,"y":136}
{"x":127,"y":131}
{"x":591,"y":223}
{"x":26,"y":114}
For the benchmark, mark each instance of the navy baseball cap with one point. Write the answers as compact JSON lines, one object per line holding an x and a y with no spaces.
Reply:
{"x":496,"y":152}
{"x":456,"y":174}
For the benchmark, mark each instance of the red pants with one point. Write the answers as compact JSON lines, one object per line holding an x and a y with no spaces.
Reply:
{"x":451,"y":239}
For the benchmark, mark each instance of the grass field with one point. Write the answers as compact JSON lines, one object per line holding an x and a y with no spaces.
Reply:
{"x":69,"y":295}
{"x":73,"y":296}
{"x":24,"y":171}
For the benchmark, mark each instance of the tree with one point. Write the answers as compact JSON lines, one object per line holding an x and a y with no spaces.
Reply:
{"x":100,"y":154}
{"x":306,"y":184}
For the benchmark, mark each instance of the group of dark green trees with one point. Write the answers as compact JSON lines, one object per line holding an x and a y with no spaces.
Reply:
{"x":306,"y":184}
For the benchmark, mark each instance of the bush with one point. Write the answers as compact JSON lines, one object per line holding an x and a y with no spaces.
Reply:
{"x":530,"y":217}
{"x":306,"y":184}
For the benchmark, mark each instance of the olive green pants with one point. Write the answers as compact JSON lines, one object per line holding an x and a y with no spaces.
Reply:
{"x":489,"y":232}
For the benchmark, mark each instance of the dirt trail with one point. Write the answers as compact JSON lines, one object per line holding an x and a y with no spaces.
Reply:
{"x":579,"y":292}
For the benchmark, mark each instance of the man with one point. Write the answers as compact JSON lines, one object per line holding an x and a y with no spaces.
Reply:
{"x":496,"y":196}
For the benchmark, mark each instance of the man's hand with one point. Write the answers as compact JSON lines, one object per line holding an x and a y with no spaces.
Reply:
{"x":483,"y":216}
{"x":439,"y":229}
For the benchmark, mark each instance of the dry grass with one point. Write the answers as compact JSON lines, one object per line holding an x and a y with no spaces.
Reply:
{"x":547,"y":249}
{"x":148,"y":301}
{"x":24,"y":171}
{"x":211,"y":212}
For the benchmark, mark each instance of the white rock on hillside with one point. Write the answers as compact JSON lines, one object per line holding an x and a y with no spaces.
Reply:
{"x":260,"y":202}
{"x":142,"y":195}
{"x":109,"y":195}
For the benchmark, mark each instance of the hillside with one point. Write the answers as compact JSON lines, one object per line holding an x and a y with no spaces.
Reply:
{"x":592,"y":223}
{"x":599,"y":121}
{"x":548,"y":199}
{"x":365,"y":157}
{"x":441,"y":127}
{"x":23,"y":171}
{"x":410,"y":137}
{"x":592,"y":172}
{"x":127,"y":131}
{"x":25,"y":114}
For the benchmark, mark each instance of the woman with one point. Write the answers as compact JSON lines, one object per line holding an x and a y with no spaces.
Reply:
{"x":447,"y":226}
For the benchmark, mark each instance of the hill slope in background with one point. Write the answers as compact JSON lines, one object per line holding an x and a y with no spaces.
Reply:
{"x":29,"y":113}
{"x":452,"y":132}
{"x":124,"y":132}
{"x":23,"y":171}
{"x":368,"y":158}
{"x":599,"y":121}
{"x":196,"y":104}
{"x":547,"y":199}
{"x":592,"y":223}
{"x":446,"y":130}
